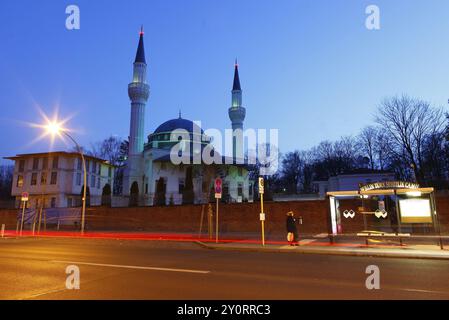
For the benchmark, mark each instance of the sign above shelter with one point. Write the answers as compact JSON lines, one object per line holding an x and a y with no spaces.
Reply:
{"x":388,"y":185}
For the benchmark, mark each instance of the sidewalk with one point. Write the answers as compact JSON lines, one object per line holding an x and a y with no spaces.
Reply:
{"x":306,"y":247}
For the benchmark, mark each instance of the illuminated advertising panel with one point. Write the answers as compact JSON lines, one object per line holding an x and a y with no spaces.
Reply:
{"x":415,"y":211}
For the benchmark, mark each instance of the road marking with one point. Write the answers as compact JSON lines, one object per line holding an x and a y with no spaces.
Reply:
{"x":424,"y":291}
{"x":306,"y":241}
{"x":131,"y":267}
{"x":42,"y":294}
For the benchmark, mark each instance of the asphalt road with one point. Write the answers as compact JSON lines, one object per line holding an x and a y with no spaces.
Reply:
{"x":117,"y":269}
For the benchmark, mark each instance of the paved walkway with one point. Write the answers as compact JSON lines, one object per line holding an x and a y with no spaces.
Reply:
{"x":308,"y":247}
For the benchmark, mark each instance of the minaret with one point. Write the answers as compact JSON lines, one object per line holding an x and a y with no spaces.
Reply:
{"x":138,"y":92}
{"x":237,"y":115}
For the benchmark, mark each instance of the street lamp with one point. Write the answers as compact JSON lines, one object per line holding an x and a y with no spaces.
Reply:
{"x":54,"y":128}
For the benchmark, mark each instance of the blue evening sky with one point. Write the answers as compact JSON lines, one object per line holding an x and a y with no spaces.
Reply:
{"x":308,"y":67}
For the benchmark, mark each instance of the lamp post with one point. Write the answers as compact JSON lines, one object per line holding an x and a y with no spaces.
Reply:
{"x":83,"y":212}
{"x":55,"y":129}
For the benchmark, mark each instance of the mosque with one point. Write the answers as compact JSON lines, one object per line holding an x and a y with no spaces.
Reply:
{"x":152,"y":178}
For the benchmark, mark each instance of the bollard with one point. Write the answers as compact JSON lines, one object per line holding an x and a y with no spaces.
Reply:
{"x":2,"y":232}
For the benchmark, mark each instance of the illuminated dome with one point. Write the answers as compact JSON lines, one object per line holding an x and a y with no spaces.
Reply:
{"x":180,"y":123}
{"x":161,"y":137}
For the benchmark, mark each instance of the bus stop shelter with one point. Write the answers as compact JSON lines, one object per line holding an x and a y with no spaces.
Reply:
{"x":389,"y":209}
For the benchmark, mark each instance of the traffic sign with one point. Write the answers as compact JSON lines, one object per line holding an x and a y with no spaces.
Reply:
{"x":262,"y":214}
{"x":25,"y":196}
{"x":218,"y":188}
{"x":261,"y":186}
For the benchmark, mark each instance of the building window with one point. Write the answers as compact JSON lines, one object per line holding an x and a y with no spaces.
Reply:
{"x":250,"y":190}
{"x":181,"y":186}
{"x":92,"y":181}
{"x":34,"y":178}
{"x":79,"y":164}
{"x":21,"y":165}
{"x":35,"y":163}
{"x":109,"y":172}
{"x":19,"y":181}
{"x":98,"y":182}
{"x":53,"y":202}
{"x":225,"y":191}
{"x":55,"y":162}
{"x":240,"y":190}
{"x":78,"y":179}
{"x":69,"y":202}
{"x":54,"y":178}
{"x":94,"y":166}
{"x":99,"y":169}
{"x":43,"y":177}
{"x":45,"y":163}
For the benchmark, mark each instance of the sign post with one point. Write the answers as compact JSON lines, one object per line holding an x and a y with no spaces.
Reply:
{"x":262,"y":214}
{"x":210,"y":215}
{"x":218,"y":191}
{"x":24,"y":199}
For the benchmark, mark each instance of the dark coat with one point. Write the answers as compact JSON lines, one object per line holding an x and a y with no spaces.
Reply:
{"x":291,"y":225}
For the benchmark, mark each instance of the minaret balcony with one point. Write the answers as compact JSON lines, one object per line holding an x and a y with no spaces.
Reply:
{"x":138,"y":91}
{"x":237,"y":114}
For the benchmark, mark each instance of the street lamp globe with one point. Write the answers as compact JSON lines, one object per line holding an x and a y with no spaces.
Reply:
{"x":53,"y":128}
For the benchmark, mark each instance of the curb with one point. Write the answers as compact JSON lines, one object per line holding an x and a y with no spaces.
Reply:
{"x":308,"y":250}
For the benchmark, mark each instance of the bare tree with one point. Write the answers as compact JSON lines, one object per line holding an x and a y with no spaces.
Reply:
{"x":307,"y":173}
{"x":115,"y":151}
{"x":334,"y":158}
{"x":109,"y":149}
{"x":6,"y":176}
{"x":409,"y":121}
{"x":292,"y":165}
{"x":382,"y":149}
{"x":366,"y":142}
{"x":325,"y":150}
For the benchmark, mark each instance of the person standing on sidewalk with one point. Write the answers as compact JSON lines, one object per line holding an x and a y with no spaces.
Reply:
{"x":292,"y":229}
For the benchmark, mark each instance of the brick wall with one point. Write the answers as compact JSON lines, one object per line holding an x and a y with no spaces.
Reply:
{"x":234,"y":218}
{"x":8,"y":217}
